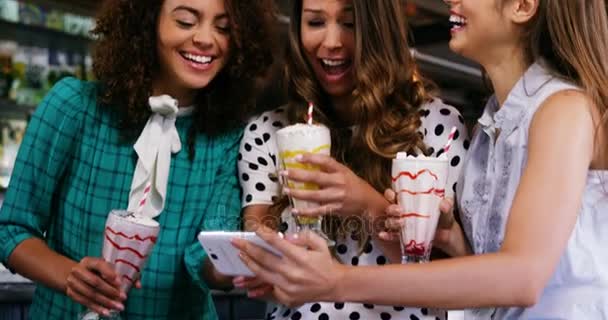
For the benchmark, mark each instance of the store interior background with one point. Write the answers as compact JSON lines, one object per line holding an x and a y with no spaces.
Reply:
{"x":44,"y":40}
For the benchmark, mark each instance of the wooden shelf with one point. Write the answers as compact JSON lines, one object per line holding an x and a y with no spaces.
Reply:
{"x":30,"y":35}
{"x":12,"y":110}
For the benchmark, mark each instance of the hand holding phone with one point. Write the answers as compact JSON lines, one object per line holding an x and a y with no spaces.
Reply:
{"x":224,"y":256}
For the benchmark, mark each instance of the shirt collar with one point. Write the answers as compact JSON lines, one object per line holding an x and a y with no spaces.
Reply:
{"x":513,"y":110}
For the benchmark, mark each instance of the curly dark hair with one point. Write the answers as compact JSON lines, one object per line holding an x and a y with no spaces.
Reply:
{"x":125,"y":60}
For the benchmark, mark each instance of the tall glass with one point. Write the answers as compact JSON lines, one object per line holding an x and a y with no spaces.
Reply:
{"x":128,"y":241}
{"x":420,"y":185}
{"x":296,"y":140}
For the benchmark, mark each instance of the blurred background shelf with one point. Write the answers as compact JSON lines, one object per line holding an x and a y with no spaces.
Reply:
{"x":12,"y":110}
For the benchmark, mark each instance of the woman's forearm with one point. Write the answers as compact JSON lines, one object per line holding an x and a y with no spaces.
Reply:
{"x":496,"y":280}
{"x":33,"y":259}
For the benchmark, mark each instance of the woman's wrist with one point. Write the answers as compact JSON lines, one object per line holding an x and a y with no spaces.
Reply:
{"x":341,"y":278}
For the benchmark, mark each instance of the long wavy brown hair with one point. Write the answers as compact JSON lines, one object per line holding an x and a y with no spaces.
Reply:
{"x":571,"y":36}
{"x":126,"y":61}
{"x":388,"y":95}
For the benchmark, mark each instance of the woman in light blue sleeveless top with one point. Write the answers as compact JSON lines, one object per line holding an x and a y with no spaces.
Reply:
{"x":533,"y":195}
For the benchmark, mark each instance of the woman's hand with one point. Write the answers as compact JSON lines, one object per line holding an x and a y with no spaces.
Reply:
{"x":340,"y":190}
{"x":94,"y":283}
{"x":214,"y":278}
{"x":446,"y":228}
{"x":306,"y":272}
{"x":256,"y":287}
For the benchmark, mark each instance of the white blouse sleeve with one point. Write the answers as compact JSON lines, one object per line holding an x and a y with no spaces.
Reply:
{"x":438,"y":119}
{"x":258,"y":156}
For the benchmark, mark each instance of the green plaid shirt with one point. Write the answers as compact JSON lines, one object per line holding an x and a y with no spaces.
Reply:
{"x":72,"y":170}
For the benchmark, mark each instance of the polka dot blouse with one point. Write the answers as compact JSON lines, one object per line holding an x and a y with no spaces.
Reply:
{"x":258,"y":165}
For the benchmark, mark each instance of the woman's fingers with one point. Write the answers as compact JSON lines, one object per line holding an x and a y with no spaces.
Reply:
{"x":446,"y":219}
{"x":394,"y":224}
{"x":389,"y":236}
{"x":91,"y":297}
{"x":316,"y":177}
{"x":260,"y":291}
{"x":325,"y":162}
{"x":320,"y":196}
{"x":390,"y":196}
{"x":323,"y":210}
{"x":394,"y":211}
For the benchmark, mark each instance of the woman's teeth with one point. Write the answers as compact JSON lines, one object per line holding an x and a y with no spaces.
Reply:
{"x":457,"y":21}
{"x":197,"y":59}
{"x":333,"y":63}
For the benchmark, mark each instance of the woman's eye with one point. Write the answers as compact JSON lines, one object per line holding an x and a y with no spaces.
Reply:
{"x":223,"y":29}
{"x":315,"y":23}
{"x":184,"y":24}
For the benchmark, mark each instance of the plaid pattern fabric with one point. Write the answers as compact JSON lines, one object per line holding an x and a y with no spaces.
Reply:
{"x":73,"y":169}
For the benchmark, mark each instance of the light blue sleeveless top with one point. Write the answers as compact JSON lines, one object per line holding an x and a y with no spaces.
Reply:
{"x":579,"y":287}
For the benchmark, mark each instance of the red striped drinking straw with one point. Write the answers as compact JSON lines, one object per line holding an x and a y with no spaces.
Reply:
{"x":446,"y":148}
{"x":144,"y":197}
{"x":310,"y":110}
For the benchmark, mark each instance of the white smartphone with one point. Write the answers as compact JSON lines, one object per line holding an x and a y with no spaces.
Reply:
{"x":224,"y":256}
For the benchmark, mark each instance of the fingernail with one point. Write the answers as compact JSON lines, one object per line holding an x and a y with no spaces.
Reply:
{"x":105,"y":312}
{"x":119,"y":306}
{"x":294,"y":211}
{"x":284,"y":173}
{"x":286,"y":191}
{"x":123,"y":296}
{"x":299,"y":158}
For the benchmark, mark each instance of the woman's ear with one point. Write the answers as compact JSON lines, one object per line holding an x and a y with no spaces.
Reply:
{"x":521,"y":11}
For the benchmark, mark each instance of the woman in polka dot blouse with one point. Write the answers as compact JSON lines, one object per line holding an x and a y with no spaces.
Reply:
{"x":533,"y":193}
{"x":364,"y":86}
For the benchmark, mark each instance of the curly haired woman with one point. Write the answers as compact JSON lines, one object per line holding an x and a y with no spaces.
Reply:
{"x":351,"y":59}
{"x":77,"y":160}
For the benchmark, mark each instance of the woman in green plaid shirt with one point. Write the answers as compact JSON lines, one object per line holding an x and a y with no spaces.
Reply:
{"x":76,"y":162}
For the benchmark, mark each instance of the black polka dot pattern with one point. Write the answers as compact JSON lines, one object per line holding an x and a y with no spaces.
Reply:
{"x":258,"y":174}
{"x":385,"y":316}
{"x":439,"y":129}
{"x":368,"y":247}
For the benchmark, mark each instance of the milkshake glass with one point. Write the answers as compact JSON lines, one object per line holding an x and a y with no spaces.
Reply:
{"x":420,"y":186}
{"x":297,"y":140}
{"x":128,"y":241}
